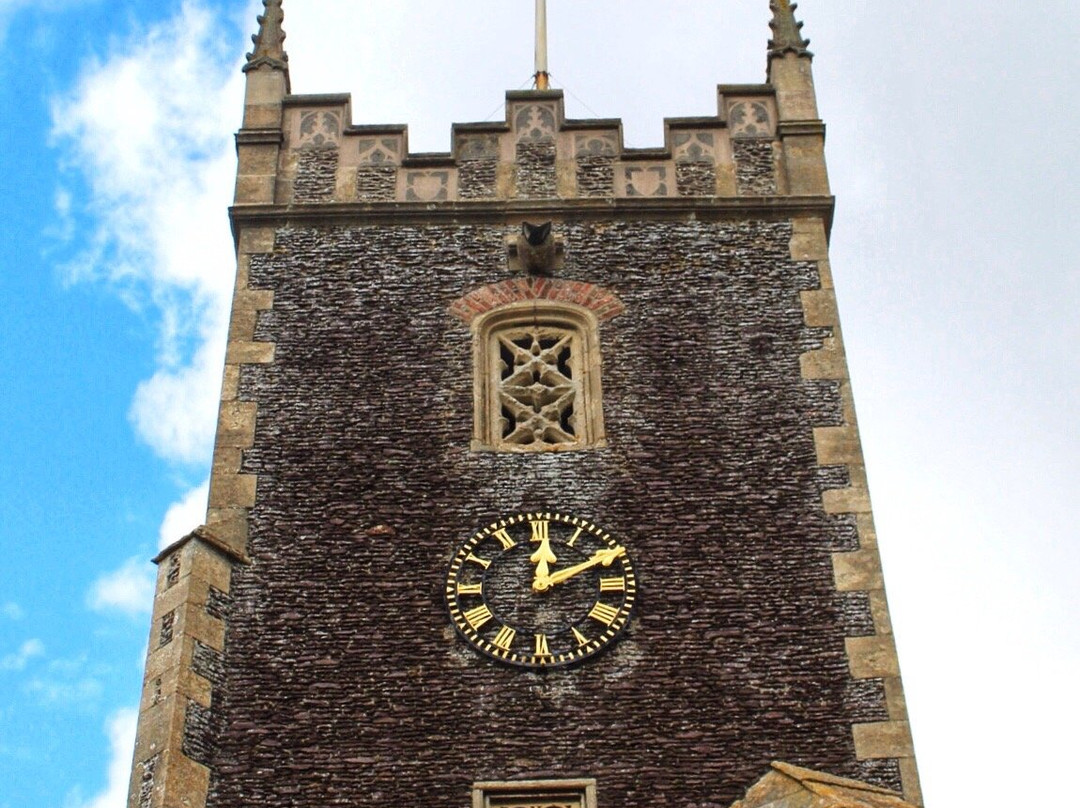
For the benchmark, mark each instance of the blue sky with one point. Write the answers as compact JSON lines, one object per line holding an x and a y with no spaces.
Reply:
{"x":952,"y":152}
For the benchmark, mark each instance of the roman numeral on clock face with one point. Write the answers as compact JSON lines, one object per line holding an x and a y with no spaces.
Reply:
{"x":505,"y":638}
{"x":604,"y":613}
{"x":483,"y":562}
{"x":542,"y":645}
{"x":504,"y":539}
{"x":478,"y":616}
{"x":540,"y":530}
{"x":612,"y":584}
{"x":470,"y":589}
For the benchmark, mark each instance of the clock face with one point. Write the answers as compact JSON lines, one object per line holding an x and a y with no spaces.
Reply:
{"x":540,"y":590}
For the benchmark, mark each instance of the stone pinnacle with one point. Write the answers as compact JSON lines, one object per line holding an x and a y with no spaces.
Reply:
{"x":270,"y":41}
{"x":787,"y":31}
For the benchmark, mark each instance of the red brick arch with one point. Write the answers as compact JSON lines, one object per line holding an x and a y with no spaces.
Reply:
{"x":602,"y":302}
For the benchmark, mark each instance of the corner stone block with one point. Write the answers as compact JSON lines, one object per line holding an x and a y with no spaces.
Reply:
{"x":227,"y":460}
{"x":259,"y":160}
{"x":827,"y":363}
{"x":236,"y":424}
{"x":884,"y":739}
{"x":255,"y":190}
{"x":864,"y":522}
{"x":895,"y":699}
{"x":210,"y":569}
{"x":187,"y":783}
{"x":195,"y":687}
{"x":872,"y":657}
{"x":242,"y":324}
{"x":250,"y":353}
{"x":202,"y":627}
{"x":257,"y":240}
{"x":254,"y":299}
{"x":235,"y":490}
{"x":229,"y":524}
{"x":846,"y":500}
{"x":857,"y":572}
{"x":825,"y":274}
{"x":837,"y":446}
{"x":879,"y":609}
{"x":909,"y":777}
{"x":808,"y":240}
{"x":163,"y":660}
{"x":805,"y":159}
{"x":819,"y":308}
{"x":230,"y":383}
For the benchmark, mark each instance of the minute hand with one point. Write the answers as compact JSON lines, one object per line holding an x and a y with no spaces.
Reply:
{"x":604,"y":557}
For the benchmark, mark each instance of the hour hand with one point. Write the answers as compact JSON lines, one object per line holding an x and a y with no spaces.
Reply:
{"x":604,"y":557}
{"x":543,"y":558}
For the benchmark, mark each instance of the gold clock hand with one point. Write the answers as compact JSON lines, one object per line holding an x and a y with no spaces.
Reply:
{"x":604,"y":557}
{"x":542,"y":558}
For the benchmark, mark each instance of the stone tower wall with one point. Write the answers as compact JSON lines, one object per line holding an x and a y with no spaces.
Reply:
{"x":302,"y":653}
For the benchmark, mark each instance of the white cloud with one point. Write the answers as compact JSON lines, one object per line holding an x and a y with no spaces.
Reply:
{"x":184,"y":516}
{"x":21,"y":658}
{"x":120,"y":727}
{"x":148,"y":128}
{"x":129,"y":589}
{"x":12,"y":611}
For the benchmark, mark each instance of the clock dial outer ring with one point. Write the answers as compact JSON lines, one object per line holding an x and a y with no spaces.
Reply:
{"x":482,"y":627}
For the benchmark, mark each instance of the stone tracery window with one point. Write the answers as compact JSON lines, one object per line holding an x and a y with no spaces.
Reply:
{"x":537,"y":378}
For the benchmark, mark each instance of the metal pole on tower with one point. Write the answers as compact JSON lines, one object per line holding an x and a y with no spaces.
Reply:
{"x":541,"y":77}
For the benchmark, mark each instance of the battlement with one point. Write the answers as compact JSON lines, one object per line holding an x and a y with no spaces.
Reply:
{"x":535,"y":154}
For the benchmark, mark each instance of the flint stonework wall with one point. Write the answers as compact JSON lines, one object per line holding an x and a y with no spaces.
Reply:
{"x":344,"y":682}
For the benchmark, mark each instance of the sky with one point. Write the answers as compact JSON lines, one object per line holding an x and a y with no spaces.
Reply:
{"x":952,"y":135}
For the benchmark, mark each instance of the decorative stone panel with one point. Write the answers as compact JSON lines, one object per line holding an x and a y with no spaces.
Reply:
{"x":646,"y":180}
{"x":379,"y":151}
{"x":317,"y":129}
{"x":534,"y":122}
{"x":694,"y":147}
{"x":596,"y":144}
{"x":426,"y":185}
{"x":477,"y":147}
{"x":752,"y":118}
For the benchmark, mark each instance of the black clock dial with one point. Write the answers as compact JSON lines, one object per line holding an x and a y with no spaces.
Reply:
{"x":540,"y":590}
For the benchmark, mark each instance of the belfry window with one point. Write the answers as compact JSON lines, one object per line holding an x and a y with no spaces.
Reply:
{"x":537,"y":379}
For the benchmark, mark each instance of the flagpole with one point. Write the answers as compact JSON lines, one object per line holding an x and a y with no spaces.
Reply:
{"x":541,"y":77}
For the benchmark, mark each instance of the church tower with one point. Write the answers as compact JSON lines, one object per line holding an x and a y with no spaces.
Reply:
{"x":537,"y":479}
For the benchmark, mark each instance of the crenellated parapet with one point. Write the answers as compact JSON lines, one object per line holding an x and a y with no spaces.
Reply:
{"x":535,"y":154}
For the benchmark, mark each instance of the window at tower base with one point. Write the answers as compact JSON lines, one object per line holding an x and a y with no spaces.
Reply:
{"x":535,"y":794}
{"x":537,"y":379}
